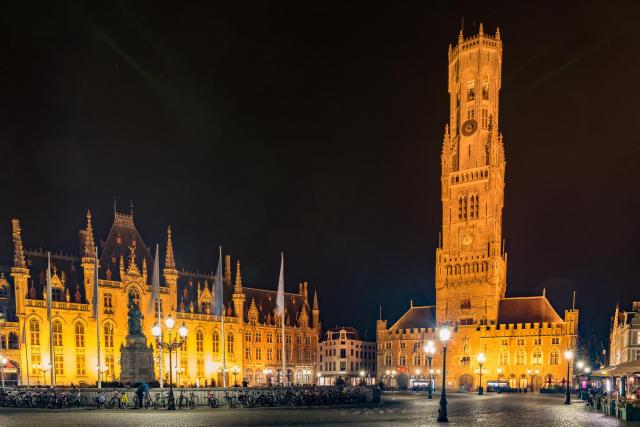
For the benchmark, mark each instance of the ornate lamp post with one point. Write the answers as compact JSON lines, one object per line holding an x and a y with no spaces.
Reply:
{"x":481,"y":359}
{"x":429,"y":350}
{"x":235,"y":371}
{"x":445,"y":334}
{"x":567,"y":395}
{"x":44,"y":369}
{"x":171,"y":345}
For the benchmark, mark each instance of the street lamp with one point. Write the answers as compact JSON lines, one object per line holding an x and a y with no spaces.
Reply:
{"x":481,"y":360}
{"x":361,"y":376}
{"x":567,"y":396}
{"x":445,"y":334}
{"x":3,"y":362}
{"x":171,"y":345}
{"x":235,"y":371}
{"x":429,"y":350}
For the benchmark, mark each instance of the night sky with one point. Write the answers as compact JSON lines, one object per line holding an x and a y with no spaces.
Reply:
{"x":315,"y":128}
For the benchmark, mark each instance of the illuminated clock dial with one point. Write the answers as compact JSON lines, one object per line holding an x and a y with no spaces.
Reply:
{"x":469,"y":127}
{"x":467,"y":239}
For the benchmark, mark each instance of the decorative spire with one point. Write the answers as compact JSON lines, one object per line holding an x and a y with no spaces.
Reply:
{"x":170,"y":262}
{"x":460,"y":39}
{"x":315,"y":300}
{"x":481,"y":30}
{"x":89,"y":244}
{"x":18,"y":250}
{"x":544,"y":292}
{"x":238,"y":287}
{"x":498,"y":33}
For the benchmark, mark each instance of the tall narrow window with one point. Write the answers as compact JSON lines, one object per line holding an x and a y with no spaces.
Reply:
{"x":485,"y":118}
{"x":460,"y":207}
{"x":110,"y":362}
{"x":471,"y":91}
{"x":485,"y":90}
{"x":230,"y":343}
{"x":34,"y":332}
{"x":472,"y":200}
{"x":199,"y":341}
{"x":79,"y":335}
{"x":216,"y":342}
{"x":81,"y":365}
{"x":464,"y":206}
{"x":108,"y":335}
{"x":58,"y":360}
{"x":57,"y":333}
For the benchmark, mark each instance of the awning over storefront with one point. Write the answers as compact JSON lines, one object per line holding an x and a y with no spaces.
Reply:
{"x":628,"y":368}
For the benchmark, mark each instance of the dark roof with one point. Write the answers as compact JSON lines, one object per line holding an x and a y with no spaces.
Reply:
{"x":60,"y":263}
{"x":266,"y":303}
{"x":122,"y":236}
{"x":417,"y":317}
{"x":527,"y":310}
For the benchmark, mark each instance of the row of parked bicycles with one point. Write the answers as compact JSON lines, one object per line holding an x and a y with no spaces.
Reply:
{"x":242,"y":398}
{"x":51,"y":399}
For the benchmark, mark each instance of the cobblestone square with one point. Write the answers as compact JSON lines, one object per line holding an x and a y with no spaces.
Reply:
{"x":396,"y":409}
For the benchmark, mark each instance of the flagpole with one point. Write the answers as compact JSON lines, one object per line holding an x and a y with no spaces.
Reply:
{"x":49,"y":299}
{"x":24,"y":342}
{"x":96,"y":311}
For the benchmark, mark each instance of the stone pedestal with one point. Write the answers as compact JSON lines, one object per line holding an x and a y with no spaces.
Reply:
{"x":136,"y":361}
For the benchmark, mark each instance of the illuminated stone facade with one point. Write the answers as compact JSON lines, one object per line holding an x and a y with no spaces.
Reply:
{"x":253,"y":340}
{"x":523,"y":338}
{"x":624,"y":338}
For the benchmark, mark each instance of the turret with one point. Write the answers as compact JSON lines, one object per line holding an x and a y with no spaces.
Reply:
{"x":19,"y":270}
{"x":316,"y":311}
{"x":238,"y":294}
{"x":170,"y":272}
{"x":88,"y":260}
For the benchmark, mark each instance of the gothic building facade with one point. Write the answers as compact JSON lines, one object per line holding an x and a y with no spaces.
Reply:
{"x":253,"y":337}
{"x":523,"y":338}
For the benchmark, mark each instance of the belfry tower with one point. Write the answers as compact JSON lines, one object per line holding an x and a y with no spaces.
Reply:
{"x":471,"y":263}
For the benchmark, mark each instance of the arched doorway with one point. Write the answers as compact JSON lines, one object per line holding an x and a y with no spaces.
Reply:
{"x":513,"y":383}
{"x":403,"y":381}
{"x":524,"y":382}
{"x":465,"y":382}
{"x":536,"y":383}
{"x":11,"y":373}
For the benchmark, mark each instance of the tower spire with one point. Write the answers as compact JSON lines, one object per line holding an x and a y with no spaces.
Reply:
{"x":238,"y":286}
{"x":169,"y":262}
{"x":315,"y":300}
{"x":89,"y":244}
{"x":18,"y":250}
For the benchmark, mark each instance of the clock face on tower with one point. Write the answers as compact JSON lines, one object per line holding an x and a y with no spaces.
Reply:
{"x":469,"y":127}
{"x":466,"y":239}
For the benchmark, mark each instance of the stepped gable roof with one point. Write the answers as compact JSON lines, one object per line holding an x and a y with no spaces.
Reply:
{"x":123,"y":234}
{"x":266,"y":302}
{"x":417,"y":317}
{"x":69,"y":264}
{"x":536,"y":309}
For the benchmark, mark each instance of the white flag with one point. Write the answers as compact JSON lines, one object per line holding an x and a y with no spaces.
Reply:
{"x":280,"y":296}
{"x":218,"y":292}
{"x":49,"y":285}
{"x":96,"y":298}
{"x":155,"y":278}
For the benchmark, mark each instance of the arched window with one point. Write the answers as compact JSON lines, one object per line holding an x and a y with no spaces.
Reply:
{"x":504,"y":357}
{"x":402,"y":360}
{"x":79,"y":335}
{"x":230,"y":343}
{"x":520,"y":357}
{"x":259,"y":378}
{"x":108,"y":335}
{"x":56,"y":326}
{"x":448,"y":270}
{"x":107,"y":300}
{"x":199,"y":341}
{"x":554,"y":357}
{"x":417,"y":359}
{"x":472,"y":201}
{"x":475,"y":201}
{"x":34,"y":332}
{"x":216,"y":342}
{"x":13,"y":341}
{"x":460,"y":208}
{"x":536,"y":357}
{"x":388,"y":359}
{"x":457,"y":268}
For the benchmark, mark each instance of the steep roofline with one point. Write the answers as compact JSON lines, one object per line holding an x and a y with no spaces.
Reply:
{"x":544,"y":297}
{"x":407,"y":312}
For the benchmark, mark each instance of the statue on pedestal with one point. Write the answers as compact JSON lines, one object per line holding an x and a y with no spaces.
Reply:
{"x":135,"y":318}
